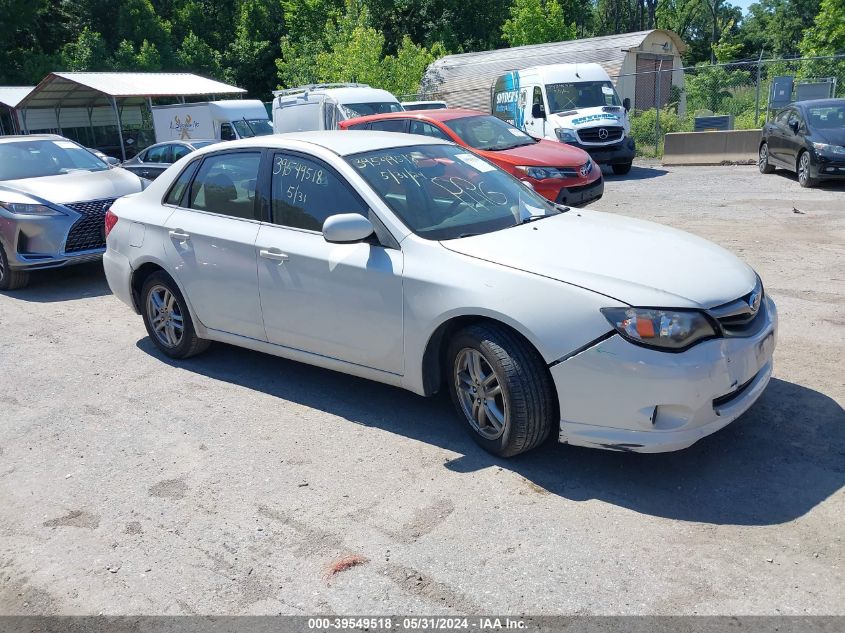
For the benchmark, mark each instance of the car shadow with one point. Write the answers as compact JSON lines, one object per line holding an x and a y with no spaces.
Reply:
{"x":82,"y":281}
{"x":638,"y":172}
{"x":824,"y":185}
{"x":773,"y":465}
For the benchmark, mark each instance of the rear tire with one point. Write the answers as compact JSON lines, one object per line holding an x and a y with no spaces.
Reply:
{"x":621,"y":169}
{"x":167,"y":318}
{"x":763,"y":160}
{"x":502,"y":388}
{"x":11,"y":279}
{"x":804,"y":167}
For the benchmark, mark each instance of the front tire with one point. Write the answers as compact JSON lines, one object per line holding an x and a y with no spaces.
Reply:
{"x":11,"y":279}
{"x":763,"y":160}
{"x":502,"y":388}
{"x":167,"y":318}
{"x":621,"y":169}
{"x":804,"y":171}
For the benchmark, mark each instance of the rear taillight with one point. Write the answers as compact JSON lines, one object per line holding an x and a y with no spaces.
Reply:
{"x":111,"y":220}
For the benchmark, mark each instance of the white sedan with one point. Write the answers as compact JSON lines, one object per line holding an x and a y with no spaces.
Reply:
{"x":412,"y":262}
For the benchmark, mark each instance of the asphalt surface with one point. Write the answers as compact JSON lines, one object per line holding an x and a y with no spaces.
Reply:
{"x":238,"y":483}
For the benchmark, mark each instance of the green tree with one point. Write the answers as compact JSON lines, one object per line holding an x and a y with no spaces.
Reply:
{"x":354,"y":49}
{"x":88,"y":52}
{"x":195,"y":56}
{"x":536,"y":22}
{"x":250,"y":57}
{"x":777,"y":26}
{"x":826,"y":38}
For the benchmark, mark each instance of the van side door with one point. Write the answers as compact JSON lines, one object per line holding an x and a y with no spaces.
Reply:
{"x":532,"y":96}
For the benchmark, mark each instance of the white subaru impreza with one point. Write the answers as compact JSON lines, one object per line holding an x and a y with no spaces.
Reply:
{"x":410,"y":261}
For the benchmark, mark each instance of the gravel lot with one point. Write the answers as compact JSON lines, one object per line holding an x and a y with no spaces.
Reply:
{"x":231,"y":483}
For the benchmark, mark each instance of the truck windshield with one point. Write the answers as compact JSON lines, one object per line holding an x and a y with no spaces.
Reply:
{"x":34,"y":159}
{"x":444,"y":192}
{"x":352,"y":110}
{"x":486,"y":132}
{"x":582,"y":94}
{"x":248,"y":128}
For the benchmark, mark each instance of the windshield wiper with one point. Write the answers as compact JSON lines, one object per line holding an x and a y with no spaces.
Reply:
{"x":468,"y":235}
{"x":533,"y":218}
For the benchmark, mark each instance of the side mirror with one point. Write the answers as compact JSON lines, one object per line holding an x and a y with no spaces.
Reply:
{"x":538,"y":111}
{"x":347,"y":228}
{"x":794,"y":127}
{"x":112,"y":161}
{"x":626,"y":103}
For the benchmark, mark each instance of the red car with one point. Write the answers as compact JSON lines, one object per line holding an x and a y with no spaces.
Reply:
{"x":560,"y":172}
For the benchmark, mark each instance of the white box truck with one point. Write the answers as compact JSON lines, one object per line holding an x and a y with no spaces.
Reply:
{"x":323,"y":106}
{"x":571,"y":103}
{"x":220,"y":120}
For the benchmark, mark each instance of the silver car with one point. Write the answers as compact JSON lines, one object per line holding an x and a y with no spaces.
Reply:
{"x":152,"y":162}
{"x":54,"y":195}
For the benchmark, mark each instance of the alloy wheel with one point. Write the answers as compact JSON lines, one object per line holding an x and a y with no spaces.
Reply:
{"x":763,"y":161}
{"x":804,"y":168}
{"x":165,"y":315}
{"x":480,"y":394}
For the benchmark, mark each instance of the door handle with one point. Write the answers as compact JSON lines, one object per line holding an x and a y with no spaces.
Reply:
{"x":179,"y":235}
{"x":274,"y":255}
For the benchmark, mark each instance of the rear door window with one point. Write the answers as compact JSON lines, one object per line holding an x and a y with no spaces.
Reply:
{"x":158,"y":154}
{"x":225,"y":184}
{"x":179,"y":151}
{"x":390,"y":125}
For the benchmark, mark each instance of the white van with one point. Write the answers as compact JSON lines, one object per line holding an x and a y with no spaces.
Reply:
{"x":571,"y":103}
{"x":221,"y":120}
{"x":323,"y":106}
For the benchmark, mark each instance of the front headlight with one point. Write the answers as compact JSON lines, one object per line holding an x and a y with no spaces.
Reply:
{"x":23,"y":208}
{"x":830,"y":149}
{"x":544,"y":173}
{"x":673,"y":330}
{"x":566,"y":135}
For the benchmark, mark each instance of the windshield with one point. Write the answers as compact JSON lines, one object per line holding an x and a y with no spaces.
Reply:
{"x":248,"y":128}
{"x":352,"y":110}
{"x":442,"y":192}
{"x":36,"y":158}
{"x":826,"y":117}
{"x":583,"y":94}
{"x":486,"y":132}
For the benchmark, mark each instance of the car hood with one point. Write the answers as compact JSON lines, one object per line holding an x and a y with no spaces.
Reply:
{"x":832,"y":136}
{"x":77,"y":186}
{"x":541,"y":154}
{"x":636,"y":262}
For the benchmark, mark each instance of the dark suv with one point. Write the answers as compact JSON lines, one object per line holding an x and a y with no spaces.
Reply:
{"x":807,"y":137}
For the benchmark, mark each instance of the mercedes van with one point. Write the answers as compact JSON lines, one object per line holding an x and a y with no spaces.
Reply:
{"x":571,"y":103}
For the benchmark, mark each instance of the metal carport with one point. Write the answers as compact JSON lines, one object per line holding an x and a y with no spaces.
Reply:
{"x":90,"y":90}
{"x":10,"y":97}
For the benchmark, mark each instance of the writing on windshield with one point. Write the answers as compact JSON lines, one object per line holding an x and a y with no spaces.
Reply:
{"x":444,"y":192}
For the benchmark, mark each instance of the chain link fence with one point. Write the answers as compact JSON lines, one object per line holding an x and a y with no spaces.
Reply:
{"x":737,"y":95}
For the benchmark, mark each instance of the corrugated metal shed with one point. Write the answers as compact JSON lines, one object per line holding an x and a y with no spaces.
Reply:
{"x":11,"y":96}
{"x":92,"y":89}
{"x":464,"y":80}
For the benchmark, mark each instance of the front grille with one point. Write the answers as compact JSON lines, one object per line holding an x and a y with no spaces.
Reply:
{"x":741,"y":317}
{"x":596,"y":135}
{"x":88,"y":232}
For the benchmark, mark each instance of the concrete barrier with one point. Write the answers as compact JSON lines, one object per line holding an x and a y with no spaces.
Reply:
{"x":711,"y":148}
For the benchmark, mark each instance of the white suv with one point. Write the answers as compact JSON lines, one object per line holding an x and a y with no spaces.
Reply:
{"x":410,"y":261}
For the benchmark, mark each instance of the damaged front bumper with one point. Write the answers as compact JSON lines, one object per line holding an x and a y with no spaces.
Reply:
{"x":619,"y":396}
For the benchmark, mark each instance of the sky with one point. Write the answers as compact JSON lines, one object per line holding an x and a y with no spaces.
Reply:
{"x":742,"y":3}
